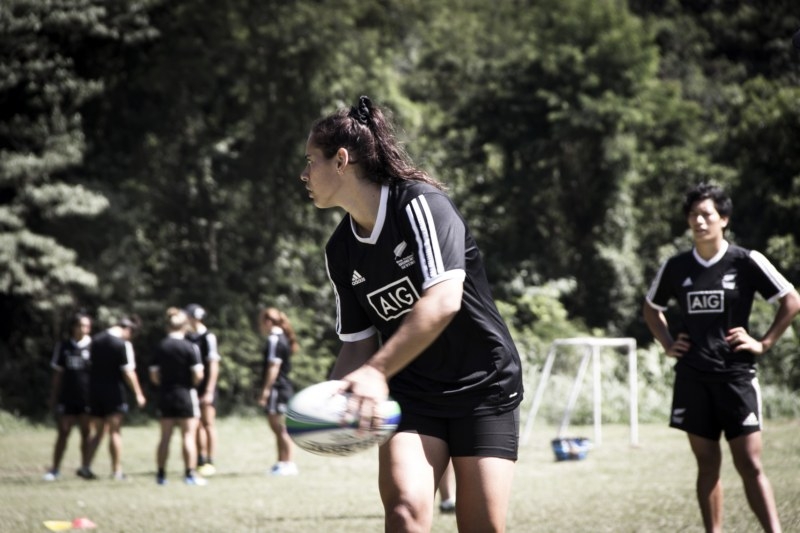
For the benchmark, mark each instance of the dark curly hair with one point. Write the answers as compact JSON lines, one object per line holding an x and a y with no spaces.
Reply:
{"x":369,"y":138}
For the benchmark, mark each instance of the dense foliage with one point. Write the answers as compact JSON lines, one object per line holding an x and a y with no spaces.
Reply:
{"x":150,"y":149}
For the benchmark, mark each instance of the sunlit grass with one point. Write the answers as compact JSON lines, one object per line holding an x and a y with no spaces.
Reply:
{"x":616,"y":489}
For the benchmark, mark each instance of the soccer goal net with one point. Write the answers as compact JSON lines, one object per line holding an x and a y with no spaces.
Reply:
{"x":592,"y":349}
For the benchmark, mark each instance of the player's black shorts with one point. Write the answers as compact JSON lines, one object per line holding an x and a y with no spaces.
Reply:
{"x":279,"y":396}
{"x":179,"y":403}
{"x":107,"y":399}
{"x":708,"y":409}
{"x":103,"y":407}
{"x":492,"y":435}
{"x":72,"y":408}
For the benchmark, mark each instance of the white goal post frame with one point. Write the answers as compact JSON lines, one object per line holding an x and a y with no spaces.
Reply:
{"x":593,"y":346}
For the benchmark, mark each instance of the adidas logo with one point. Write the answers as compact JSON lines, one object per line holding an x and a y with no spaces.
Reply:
{"x":687,"y":282}
{"x":357,"y":278}
{"x":751,"y":420}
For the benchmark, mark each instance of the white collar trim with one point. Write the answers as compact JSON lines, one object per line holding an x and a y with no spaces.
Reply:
{"x":714,"y":260}
{"x":376,"y":231}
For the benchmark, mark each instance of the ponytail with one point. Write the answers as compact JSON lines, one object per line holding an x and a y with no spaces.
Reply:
{"x":370,"y":139}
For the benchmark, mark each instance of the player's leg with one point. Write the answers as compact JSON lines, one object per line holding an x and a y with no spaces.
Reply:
{"x":84,"y":426}
{"x":189,"y":450}
{"x":202,"y":441}
{"x":484,"y":453}
{"x":410,"y":467}
{"x":708,"y":455}
{"x":114,"y":423}
{"x":742,"y":423}
{"x":162,"y":451}
{"x":209,"y":430}
{"x":483,"y":486}
{"x":746,"y":452}
{"x":447,"y":490}
{"x":64,"y":427}
{"x":277,"y":423}
{"x":97,"y":430}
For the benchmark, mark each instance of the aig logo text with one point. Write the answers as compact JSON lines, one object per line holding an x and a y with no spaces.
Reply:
{"x":393,"y":300}
{"x":705,"y":302}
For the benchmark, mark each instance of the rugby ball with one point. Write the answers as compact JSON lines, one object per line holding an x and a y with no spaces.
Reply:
{"x":317,"y":421}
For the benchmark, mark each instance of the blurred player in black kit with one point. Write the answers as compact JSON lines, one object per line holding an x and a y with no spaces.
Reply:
{"x":206,"y":341}
{"x":113,"y":366}
{"x":69,"y":393}
{"x":176,"y":369}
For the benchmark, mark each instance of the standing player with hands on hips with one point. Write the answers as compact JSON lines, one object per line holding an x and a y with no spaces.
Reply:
{"x":417,"y":320}
{"x":716,"y":389}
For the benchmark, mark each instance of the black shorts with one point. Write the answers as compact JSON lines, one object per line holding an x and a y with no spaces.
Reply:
{"x":492,"y":435}
{"x":708,"y":409}
{"x":279,"y":396}
{"x":102,"y":407}
{"x":179,"y":403}
{"x":107,"y":399}
{"x":72,"y":409}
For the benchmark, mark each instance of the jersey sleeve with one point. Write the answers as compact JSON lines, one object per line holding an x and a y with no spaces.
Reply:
{"x":271,"y":352}
{"x":196,"y":357}
{"x":659,"y":294}
{"x":439,"y":233}
{"x":213,"y":352}
{"x":129,"y":363}
{"x":352,"y":323}
{"x":769,"y":283}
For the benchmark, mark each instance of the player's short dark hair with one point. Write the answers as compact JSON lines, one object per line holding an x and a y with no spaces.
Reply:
{"x":132,"y":322}
{"x":195,"y":311}
{"x":705,"y":191}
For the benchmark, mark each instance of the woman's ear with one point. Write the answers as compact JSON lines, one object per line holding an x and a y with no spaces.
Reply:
{"x":342,"y":159}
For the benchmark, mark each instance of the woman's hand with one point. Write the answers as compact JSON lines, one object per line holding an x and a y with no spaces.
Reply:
{"x":368,"y":388}
{"x":740,"y":340}
{"x":680,"y":346}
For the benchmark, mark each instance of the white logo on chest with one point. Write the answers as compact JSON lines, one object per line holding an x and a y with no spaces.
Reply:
{"x":705,"y":302}
{"x":394,"y":300}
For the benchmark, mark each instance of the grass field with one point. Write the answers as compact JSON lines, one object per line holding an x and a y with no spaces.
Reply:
{"x":615,"y":489}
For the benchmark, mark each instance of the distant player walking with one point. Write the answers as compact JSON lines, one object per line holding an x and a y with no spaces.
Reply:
{"x":716,"y":390}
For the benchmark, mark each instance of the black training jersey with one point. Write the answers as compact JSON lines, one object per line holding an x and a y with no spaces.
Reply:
{"x":420,"y":239}
{"x":176,"y":360}
{"x":715,"y":296}
{"x":71,"y":358}
{"x":278,"y":348}
{"x":110,"y":356}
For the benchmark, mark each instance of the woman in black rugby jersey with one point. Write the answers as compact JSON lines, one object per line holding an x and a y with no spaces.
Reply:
{"x":417,"y":320}
{"x":69,"y":394}
{"x":715,"y":388}
{"x":177,"y":368}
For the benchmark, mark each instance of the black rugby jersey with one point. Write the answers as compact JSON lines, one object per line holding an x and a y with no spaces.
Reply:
{"x":278,"y":348}
{"x":420,"y":239}
{"x":110,"y":356}
{"x":715,"y":296}
{"x":71,"y":358}
{"x":176,"y":359}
